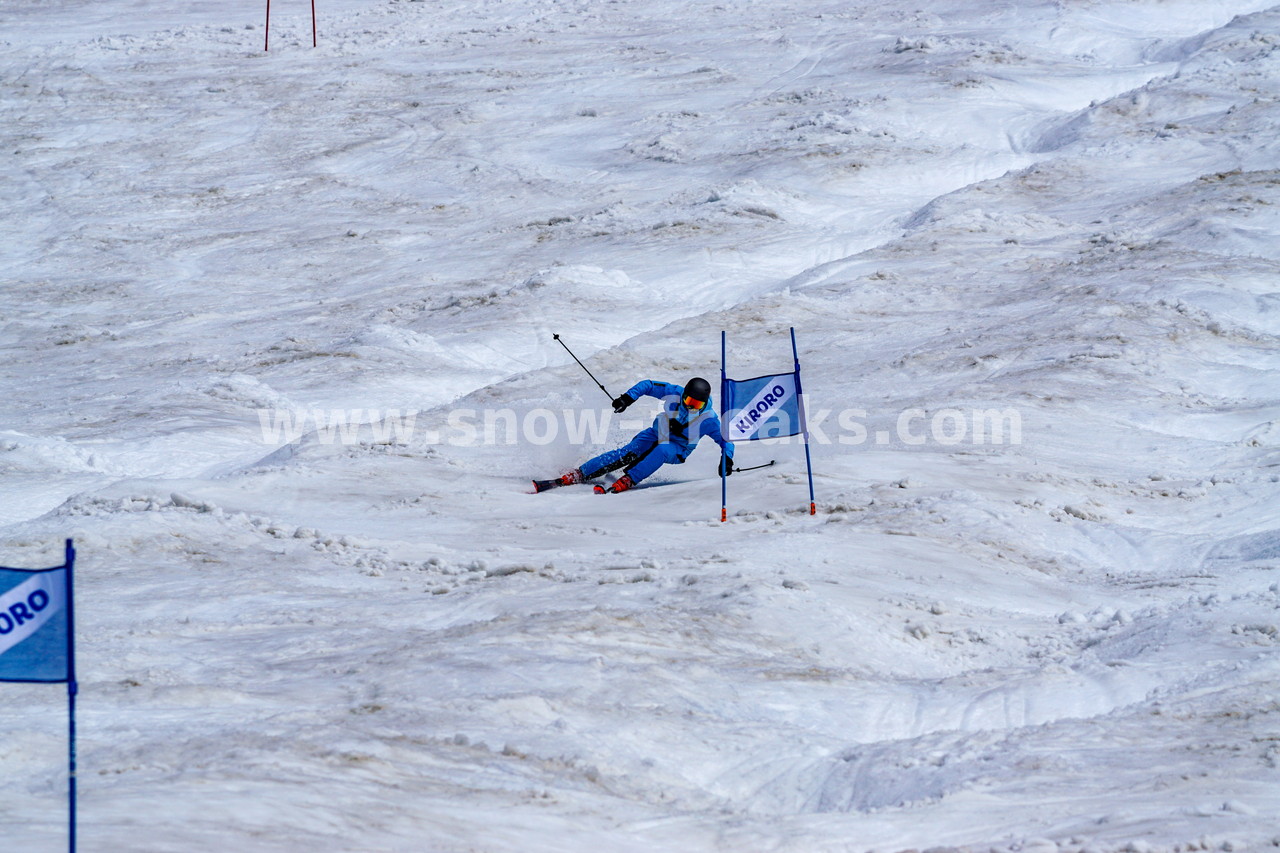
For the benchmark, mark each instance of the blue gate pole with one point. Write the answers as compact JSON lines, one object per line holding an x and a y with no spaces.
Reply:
{"x":804,"y":423}
{"x":72,"y":689}
{"x":724,"y":387}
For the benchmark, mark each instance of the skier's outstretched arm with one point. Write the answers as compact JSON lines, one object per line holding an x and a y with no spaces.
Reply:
{"x":645,"y":388}
{"x":713,"y":430}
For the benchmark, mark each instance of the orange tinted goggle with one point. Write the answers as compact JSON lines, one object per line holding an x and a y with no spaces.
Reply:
{"x":690,"y":403}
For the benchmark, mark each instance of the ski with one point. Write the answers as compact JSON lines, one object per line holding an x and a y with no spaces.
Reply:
{"x":572,"y":478}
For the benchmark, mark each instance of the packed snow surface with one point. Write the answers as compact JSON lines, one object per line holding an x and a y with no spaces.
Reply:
{"x":277,"y":346}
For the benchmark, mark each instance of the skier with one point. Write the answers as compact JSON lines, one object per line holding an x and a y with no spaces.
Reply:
{"x":687,"y":416}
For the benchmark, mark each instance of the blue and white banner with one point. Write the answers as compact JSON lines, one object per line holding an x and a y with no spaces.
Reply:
{"x":764,"y":407}
{"x":34,"y":625}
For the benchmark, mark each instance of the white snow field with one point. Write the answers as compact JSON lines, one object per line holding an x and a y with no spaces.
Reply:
{"x":1052,"y":223}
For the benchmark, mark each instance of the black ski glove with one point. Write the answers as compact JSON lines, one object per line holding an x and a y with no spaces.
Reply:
{"x":620,"y":404}
{"x":675,"y":428}
{"x":726,"y":465}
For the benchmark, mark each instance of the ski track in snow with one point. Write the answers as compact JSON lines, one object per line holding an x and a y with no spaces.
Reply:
{"x":1064,"y":644}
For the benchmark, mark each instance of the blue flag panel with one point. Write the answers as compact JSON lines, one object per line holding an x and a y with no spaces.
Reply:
{"x":34,"y":625}
{"x":764,"y":407}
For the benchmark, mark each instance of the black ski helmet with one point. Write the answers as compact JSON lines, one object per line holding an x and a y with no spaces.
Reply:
{"x":698,"y":388}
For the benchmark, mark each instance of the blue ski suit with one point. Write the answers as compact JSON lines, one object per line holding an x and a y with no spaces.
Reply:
{"x":663,"y":442}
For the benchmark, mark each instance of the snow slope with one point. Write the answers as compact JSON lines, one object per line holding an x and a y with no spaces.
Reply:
{"x":1059,"y":210}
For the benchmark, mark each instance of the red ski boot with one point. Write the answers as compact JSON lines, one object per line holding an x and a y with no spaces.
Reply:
{"x":620,"y":485}
{"x":572,"y":478}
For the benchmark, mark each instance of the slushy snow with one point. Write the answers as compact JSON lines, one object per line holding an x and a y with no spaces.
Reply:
{"x":1048,"y":223}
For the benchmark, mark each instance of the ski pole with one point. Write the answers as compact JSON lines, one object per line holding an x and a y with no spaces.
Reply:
{"x":584,"y":367}
{"x":755,"y":467}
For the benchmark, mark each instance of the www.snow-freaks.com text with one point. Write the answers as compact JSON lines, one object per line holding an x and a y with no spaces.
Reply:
{"x":544,"y":426}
